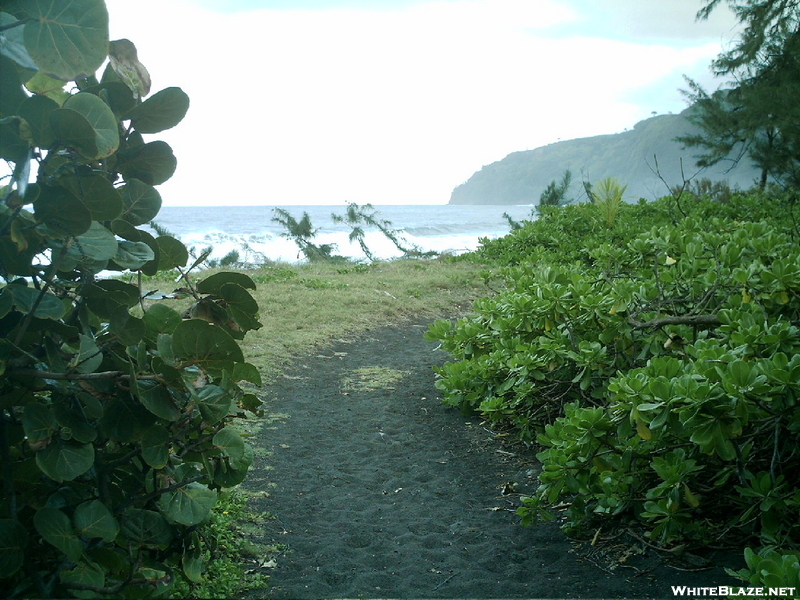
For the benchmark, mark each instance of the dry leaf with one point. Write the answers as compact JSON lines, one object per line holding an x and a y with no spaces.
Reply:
{"x":125,"y":62}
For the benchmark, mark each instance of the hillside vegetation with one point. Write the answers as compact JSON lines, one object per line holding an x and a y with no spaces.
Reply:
{"x":521,"y":177}
{"x":654,"y":360}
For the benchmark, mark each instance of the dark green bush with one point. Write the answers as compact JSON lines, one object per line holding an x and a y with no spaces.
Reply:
{"x":115,"y":413}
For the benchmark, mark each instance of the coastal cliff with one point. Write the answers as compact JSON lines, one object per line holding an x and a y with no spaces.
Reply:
{"x":521,"y":177}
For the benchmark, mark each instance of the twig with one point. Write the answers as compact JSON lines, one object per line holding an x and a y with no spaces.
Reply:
{"x":678,"y":320}
{"x":445,"y":581}
{"x":19,"y":23}
{"x":80,"y":376}
{"x":172,"y":488}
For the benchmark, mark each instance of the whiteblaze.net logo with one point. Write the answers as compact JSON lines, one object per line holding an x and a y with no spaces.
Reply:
{"x":725,"y":591}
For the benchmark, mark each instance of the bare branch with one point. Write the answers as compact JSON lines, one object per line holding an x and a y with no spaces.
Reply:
{"x":79,"y":376}
{"x":676,"y":320}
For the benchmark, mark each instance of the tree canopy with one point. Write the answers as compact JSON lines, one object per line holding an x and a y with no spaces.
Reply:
{"x":757,"y":116}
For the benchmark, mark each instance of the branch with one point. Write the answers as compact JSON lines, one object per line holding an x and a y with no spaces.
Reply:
{"x":172,"y":488}
{"x":80,"y":376}
{"x":679,"y":320}
{"x":19,"y":23}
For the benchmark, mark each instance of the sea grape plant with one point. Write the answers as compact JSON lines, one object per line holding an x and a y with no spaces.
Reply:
{"x":116,"y":412}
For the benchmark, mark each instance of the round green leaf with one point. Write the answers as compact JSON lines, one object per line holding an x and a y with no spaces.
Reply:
{"x":123,"y":420}
{"x":245,"y":321}
{"x":45,"y":85}
{"x":84,"y":574}
{"x":161,"y":111}
{"x":36,"y":111}
{"x":71,"y":416}
{"x":214,"y":283}
{"x":100,"y":116}
{"x":65,"y":460}
{"x":130,"y":329}
{"x":160,"y":319}
{"x":150,"y":268}
{"x":97,"y":193}
{"x":157,"y":400}
{"x":12,"y":145}
{"x":106,"y":302}
{"x":89,"y":356}
{"x":152,"y":163}
{"x":12,"y":45}
{"x":238,"y":297}
{"x":133,"y":255}
{"x":246,"y":372}
{"x":193,"y":567}
{"x":55,"y":527}
{"x":251,"y":402}
{"x":229,"y":442}
{"x":67,"y":39}
{"x":234,"y":471}
{"x":228,"y":477}
{"x":165,"y":363}
{"x":13,"y":538}
{"x":125,"y":293}
{"x":200,"y":342}
{"x":142,"y":202}
{"x":6,"y":302}
{"x":38,"y":422}
{"x":93,"y":519}
{"x":61,"y":211}
{"x":146,"y":528}
{"x":25,"y":299}
{"x":117,"y":95}
{"x":245,"y":460}
{"x":155,"y":446}
{"x":213,"y":402}
{"x":13,"y":96}
{"x":96,"y":244}
{"x":72,"y":130}
{"x":126,"y":231}
{"x":172,"y":253}
{"x":188,"y":505}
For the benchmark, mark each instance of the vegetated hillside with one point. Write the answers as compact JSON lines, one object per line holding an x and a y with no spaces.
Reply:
{"x":521,"y":177}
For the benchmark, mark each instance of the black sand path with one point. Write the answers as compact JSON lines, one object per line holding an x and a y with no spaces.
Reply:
{"x":382,"y":492}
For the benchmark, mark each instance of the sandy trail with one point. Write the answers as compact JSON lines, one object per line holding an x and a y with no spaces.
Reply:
{"x":382,"y":492}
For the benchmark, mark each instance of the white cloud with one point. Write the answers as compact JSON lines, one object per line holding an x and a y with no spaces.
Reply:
{"x":390,"y":106}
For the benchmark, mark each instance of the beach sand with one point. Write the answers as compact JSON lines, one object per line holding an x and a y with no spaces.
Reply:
{"x":380,"y":491}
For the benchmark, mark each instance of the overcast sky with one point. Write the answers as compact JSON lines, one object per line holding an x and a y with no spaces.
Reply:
{"x":399,"y":101}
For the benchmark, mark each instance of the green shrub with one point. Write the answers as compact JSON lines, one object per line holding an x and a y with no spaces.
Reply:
{"x":115,"y":412}
{"x":660,"y":376}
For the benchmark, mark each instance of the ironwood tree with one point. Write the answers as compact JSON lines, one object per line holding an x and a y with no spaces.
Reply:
{"x":758,"y":115}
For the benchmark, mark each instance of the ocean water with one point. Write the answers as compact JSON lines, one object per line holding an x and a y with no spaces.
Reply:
{"x":251,"y":231}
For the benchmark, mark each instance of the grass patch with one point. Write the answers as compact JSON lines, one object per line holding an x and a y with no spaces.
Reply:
{"x":307,"y":306}
{"x":228,"y":552}
{"x":324,"y":302}
{"x":369,"y":379}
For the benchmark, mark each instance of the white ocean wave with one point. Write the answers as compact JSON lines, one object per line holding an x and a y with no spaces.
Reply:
{"x":251,"y":233}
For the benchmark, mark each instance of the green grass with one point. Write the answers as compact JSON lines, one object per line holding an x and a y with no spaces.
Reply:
{"x":228,"y":552}
{"x":303,"y":307}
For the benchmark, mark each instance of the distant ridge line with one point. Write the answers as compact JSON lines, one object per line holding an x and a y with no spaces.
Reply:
{"x":521,"y":177}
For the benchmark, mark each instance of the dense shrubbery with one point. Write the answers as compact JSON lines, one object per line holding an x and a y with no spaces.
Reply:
{"x":655,"y":360}
{"x":115,"y":413}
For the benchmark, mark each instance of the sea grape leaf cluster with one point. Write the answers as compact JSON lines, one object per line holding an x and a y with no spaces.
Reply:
{"x":116,"y":413}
